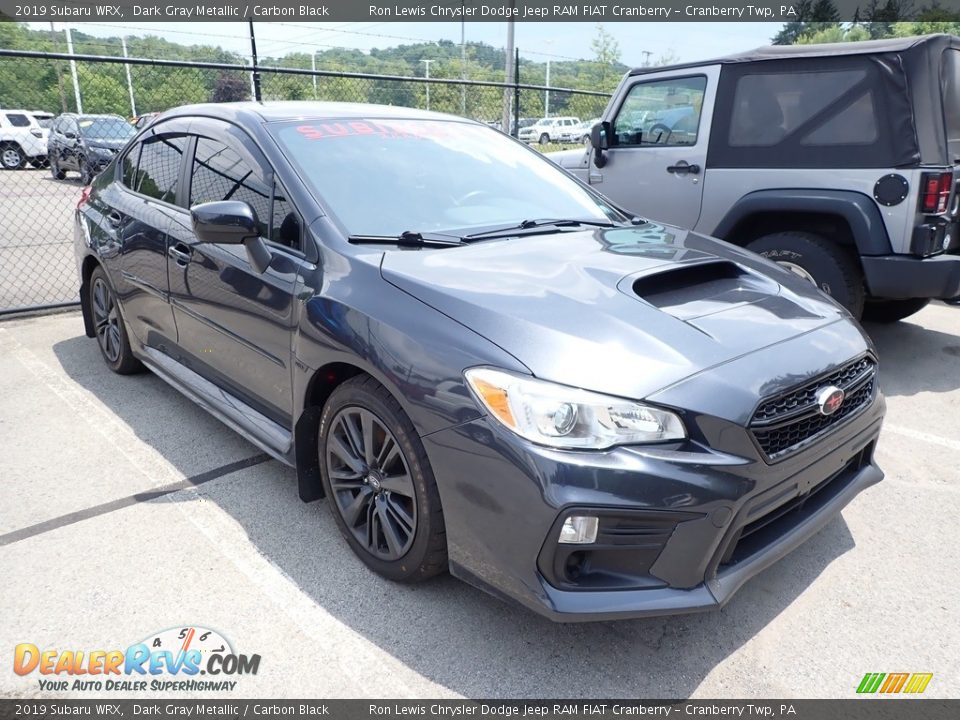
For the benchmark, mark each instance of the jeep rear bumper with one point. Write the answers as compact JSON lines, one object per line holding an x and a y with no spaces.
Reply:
{"x":903,"y":276}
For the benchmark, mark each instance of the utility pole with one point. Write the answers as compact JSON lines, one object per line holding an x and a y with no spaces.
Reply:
{"x":427,"y":63}
{"x":73,"y":69}
{"x":646,"y":57}
{"x":126,"y":66}
{"x":546,"y":94}
{"x":463,"y":59}
{"x":509,"y":75}
{"x":255,"y":75}
{"x":63,"y":94}
{"x":313,"y":66}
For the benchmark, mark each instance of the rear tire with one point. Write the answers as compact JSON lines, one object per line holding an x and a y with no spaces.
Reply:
{"x":12,"y":157}
{"x":109,"y":328}
{"x":890,"y":311}
{"x":831,"y":267}
{"x":379,"y":484}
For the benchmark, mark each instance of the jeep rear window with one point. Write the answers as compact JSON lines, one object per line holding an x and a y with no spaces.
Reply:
{"x":951,"y":100}
{"x":830,"y":106}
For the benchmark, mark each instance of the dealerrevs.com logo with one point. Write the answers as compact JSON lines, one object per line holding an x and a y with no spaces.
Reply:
{"x":170,"y":660}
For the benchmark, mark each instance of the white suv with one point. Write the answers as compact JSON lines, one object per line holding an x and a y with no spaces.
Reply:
{"x":22,"y":140}
{"x":549,"y":130}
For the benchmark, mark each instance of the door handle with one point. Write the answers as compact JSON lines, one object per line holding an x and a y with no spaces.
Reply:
{"x":683,"y":168}
{"x":181,"y":253}
{"x":115,"y":219}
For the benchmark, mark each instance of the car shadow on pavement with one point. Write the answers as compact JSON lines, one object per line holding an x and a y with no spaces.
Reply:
{"x":915,"y":359}
{"x":446,"y":631}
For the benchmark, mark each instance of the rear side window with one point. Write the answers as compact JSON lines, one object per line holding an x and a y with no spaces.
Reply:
{"x":827,"y":108}
{"x":18,"y":120}
{"x":951,"y":100}
{"x":159,"y":167}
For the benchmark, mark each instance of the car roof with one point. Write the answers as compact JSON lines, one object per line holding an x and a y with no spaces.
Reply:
{"x":784,"y":52}
{"x":306,"y":110}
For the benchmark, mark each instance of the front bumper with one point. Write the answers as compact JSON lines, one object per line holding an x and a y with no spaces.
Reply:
{"x":681,"y":527}
{"x":905,"y":276}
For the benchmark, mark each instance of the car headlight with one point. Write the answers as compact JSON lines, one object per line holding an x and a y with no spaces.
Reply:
{"x":566,"y":417}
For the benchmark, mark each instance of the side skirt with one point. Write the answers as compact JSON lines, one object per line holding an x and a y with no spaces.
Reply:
{"x":228,"y":409}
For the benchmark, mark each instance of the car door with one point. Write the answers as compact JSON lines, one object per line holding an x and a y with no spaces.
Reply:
{"x":143,"y":204}
{"x":235,"y":324}
{"x":655,"y":164}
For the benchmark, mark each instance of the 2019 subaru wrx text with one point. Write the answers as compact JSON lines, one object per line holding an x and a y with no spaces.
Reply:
{"x":481,"y":363}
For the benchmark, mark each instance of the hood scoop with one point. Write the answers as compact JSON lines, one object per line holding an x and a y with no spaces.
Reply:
{"x":691,"y":291}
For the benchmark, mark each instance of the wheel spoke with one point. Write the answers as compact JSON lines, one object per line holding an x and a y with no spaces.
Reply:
{"x":389,"y":451}
{"x":345,"y":454}
{"x":359,"y":503}
{"x":353,"y":435}
{"x":366,"y":423}
{"x":394,"y":543}
{"x":400,"y":513}
{"x":401,"y":484}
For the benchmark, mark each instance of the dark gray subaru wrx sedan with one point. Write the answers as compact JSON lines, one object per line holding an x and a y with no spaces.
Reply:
{"x":481,"y":363}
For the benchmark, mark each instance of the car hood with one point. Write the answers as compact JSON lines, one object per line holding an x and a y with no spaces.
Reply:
{"x":570,"y":159}
{"x":106,"y":143}
{"x":626,"y":311}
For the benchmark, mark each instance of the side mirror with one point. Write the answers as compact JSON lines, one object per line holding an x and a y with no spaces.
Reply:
{"x":231,"y":222}
{"x":600,"y":141}
{"x":70,"y":135}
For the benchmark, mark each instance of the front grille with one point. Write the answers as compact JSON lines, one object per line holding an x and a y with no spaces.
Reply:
{"x":785,"y":423}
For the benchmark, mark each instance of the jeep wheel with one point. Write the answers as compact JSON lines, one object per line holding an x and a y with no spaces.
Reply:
{"x":11,"y":157}
{"x":544,"y":138}
{"x":889,"y":311}
{"x":829,"y":266}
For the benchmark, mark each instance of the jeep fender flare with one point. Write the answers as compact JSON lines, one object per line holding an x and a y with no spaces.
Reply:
{"x":859,"y":211}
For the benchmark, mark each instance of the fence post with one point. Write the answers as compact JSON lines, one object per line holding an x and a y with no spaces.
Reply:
{"x":515,"y":130}
{"x":256,"y":72}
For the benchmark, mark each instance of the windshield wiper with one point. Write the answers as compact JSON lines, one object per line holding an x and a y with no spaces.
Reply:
{"x":537,"y":224}
{"x":408,"y":238}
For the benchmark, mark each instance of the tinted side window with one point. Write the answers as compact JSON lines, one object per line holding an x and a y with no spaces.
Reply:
{"x":18,"y":120}
{"x":129,"y":166}
{"x":769,"y":107}
{"x":219,"y":173}
{"x":662,"y":113}
{"x":159,"y":167}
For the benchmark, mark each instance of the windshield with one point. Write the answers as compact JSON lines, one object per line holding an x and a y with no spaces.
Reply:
{"x":384,"y":177}
{"x":106,"y":128}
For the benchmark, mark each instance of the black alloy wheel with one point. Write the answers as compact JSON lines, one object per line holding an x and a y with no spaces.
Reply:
{"x":371,"y":482}
{"x":379,"y":483}
{"x":109,"y":328}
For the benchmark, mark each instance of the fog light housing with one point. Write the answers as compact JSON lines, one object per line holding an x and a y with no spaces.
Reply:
{"x":579,"y":530}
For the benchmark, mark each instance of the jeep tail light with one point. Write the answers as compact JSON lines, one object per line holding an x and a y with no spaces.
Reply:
{"x":84,"y":196}
{"x":935,"y":192}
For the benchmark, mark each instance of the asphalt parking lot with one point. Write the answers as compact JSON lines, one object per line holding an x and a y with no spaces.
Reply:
{"x":36,"y":242}
{"x":126,"y":510}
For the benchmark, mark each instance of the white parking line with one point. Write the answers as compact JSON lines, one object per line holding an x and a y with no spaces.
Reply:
{"x":927,"y":437}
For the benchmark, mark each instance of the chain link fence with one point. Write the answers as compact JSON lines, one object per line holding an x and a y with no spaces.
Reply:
{"x":50,"y":146}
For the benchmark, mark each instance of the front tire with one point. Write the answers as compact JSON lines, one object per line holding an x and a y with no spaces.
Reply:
{"x":86,"y":177}
{"x":544,"y":139}
{"x":829,"y":266}
{"x":379,"y":483}
{"x":111,"y":331}
{"x":55,"y":170}
{"x":890,"y":311}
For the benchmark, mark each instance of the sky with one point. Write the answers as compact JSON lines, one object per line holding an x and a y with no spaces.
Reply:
{"x":686,"y":41}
